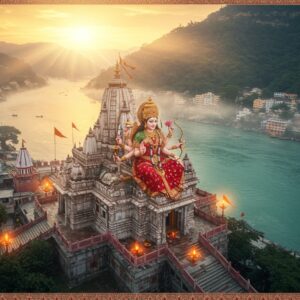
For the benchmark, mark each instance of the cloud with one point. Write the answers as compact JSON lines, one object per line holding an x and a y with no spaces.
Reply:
{"x":49,"y":14}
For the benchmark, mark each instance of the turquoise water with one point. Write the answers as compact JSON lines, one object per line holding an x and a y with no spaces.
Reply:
{"x":260,"y":175}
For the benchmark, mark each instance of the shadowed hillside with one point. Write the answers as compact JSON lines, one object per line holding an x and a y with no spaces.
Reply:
{"x":236,"y":47}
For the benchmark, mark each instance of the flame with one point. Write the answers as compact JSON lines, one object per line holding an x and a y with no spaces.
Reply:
{"x":6,"y":238}
{"x":194,"y":255}
{"x":137,"y":249}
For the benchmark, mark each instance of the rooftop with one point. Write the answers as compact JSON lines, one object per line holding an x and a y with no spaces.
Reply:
{"x":7,"y":193}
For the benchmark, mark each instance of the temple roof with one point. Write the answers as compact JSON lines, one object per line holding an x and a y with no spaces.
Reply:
{"x":23,"y":159}
{"x":90,"y":143}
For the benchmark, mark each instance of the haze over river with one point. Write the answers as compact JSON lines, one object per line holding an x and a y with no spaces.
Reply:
{"x":260,"y":174}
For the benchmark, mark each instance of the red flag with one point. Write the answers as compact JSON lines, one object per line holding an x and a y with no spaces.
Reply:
{"x":58,"y":133}
{"x":74,"y":126}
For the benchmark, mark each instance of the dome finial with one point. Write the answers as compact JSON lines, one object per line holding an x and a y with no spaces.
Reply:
{"x":117,"y":71}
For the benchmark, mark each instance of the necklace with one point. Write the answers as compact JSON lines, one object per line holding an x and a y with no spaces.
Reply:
{"x":150,"y":134}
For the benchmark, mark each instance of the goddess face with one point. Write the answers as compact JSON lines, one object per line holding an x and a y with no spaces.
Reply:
{"x":151,"y":123}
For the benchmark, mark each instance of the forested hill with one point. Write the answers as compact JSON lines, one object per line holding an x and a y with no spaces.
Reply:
{"x":236,"y":47}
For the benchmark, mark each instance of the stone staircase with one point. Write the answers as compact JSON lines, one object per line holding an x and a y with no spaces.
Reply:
{"x":207,"y":271}
{"x":37,"y":230}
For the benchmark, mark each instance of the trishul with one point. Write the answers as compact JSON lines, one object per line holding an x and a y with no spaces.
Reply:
{"x":180,"y":139}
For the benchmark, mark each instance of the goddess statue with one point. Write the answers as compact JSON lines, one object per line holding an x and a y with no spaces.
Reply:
{"x":155,"y":168}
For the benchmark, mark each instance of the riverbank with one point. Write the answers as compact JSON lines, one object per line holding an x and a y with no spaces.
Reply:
{"x":231,"y":124}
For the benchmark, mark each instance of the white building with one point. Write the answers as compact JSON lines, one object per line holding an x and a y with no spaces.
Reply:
{"x":179,"y":100}
{"x":243,"y":113}
{"x":207,"y":99}
{"x":6,"y":199}
{"x":256,"y":90}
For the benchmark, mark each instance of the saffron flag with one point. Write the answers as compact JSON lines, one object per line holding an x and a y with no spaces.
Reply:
{"x":227,"y":200}
{"x":23,"y":143}
{"x":58,"y":133}
{"x":74,"y":126}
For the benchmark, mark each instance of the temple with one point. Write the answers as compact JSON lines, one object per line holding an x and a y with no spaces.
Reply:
{"x":101,"y":219}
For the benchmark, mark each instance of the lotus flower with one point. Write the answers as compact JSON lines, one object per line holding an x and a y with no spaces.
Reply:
{"x":168,"y":123}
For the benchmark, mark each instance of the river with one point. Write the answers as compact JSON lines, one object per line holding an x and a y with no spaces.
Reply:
{"x":259,"y":174}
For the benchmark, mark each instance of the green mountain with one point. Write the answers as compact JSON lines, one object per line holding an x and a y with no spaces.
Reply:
{"x":234,"y":48}
{"x":15,"y":74}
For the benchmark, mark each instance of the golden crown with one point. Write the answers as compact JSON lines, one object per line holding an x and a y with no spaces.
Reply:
{"x":147,"y":110}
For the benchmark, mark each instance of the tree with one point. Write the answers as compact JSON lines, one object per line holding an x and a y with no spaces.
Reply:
{"x":36,"y":282}
{"x":3,"y":215}
{"x":286,"y":115}
{"x":8,"y":133}
{"x":240,"y":248}
{"x":270,"y":269}
{"x":282,"y":106}
{"x":38,"y":257}
{"x":10,"y":274}
{"x":248,"y":101}
{"x":279,"y":270}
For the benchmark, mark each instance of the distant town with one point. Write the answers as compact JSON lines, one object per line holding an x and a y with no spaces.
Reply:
{"x":278,"y":116}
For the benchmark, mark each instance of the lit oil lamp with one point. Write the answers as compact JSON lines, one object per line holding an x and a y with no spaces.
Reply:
{"x":137,"y":249}
{"x":194,"y":255}
{"x":223,"y":207}
{"x":172,"y":235}
{"x":6,"y":241}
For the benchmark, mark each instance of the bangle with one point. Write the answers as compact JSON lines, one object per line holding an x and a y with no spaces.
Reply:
{"x":174,"y":147}
{"x":123,"y":158}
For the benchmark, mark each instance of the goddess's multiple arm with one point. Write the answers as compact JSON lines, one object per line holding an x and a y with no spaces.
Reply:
{"x":141,"y":149}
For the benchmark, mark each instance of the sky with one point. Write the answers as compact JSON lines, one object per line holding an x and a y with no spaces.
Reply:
{"x":93,"y":27}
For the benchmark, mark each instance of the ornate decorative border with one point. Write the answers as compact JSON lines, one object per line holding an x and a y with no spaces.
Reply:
{"x":238,"y":2}
{"x":151,"y":296}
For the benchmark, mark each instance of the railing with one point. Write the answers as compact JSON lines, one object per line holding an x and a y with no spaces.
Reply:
{"x":215,"y":231}
{"x":79,"y":245}
{"x":30,"y":224}
{"x":213,"y":219}
{"x":183,"y":272}
{"x":42,"y":235}
{"x":43,"y":163}
{"x":234,"y":273}
{"x":22,"y":228}
{"x":204,"y":198}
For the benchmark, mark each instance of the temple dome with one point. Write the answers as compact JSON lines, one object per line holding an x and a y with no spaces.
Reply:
{"x":90,"y":143}
{"x":23,"y":159}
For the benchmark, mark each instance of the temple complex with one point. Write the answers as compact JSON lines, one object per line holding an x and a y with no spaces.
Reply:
{"x":102,"y":220}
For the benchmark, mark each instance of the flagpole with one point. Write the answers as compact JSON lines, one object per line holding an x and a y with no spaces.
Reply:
{"x":72,"y":137}
{"x":54,"y":147}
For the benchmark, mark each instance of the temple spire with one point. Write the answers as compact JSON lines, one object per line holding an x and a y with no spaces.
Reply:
{"x":117,"y":71}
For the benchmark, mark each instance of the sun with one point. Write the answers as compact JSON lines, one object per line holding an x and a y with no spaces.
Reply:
{"x":82,"y":37}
